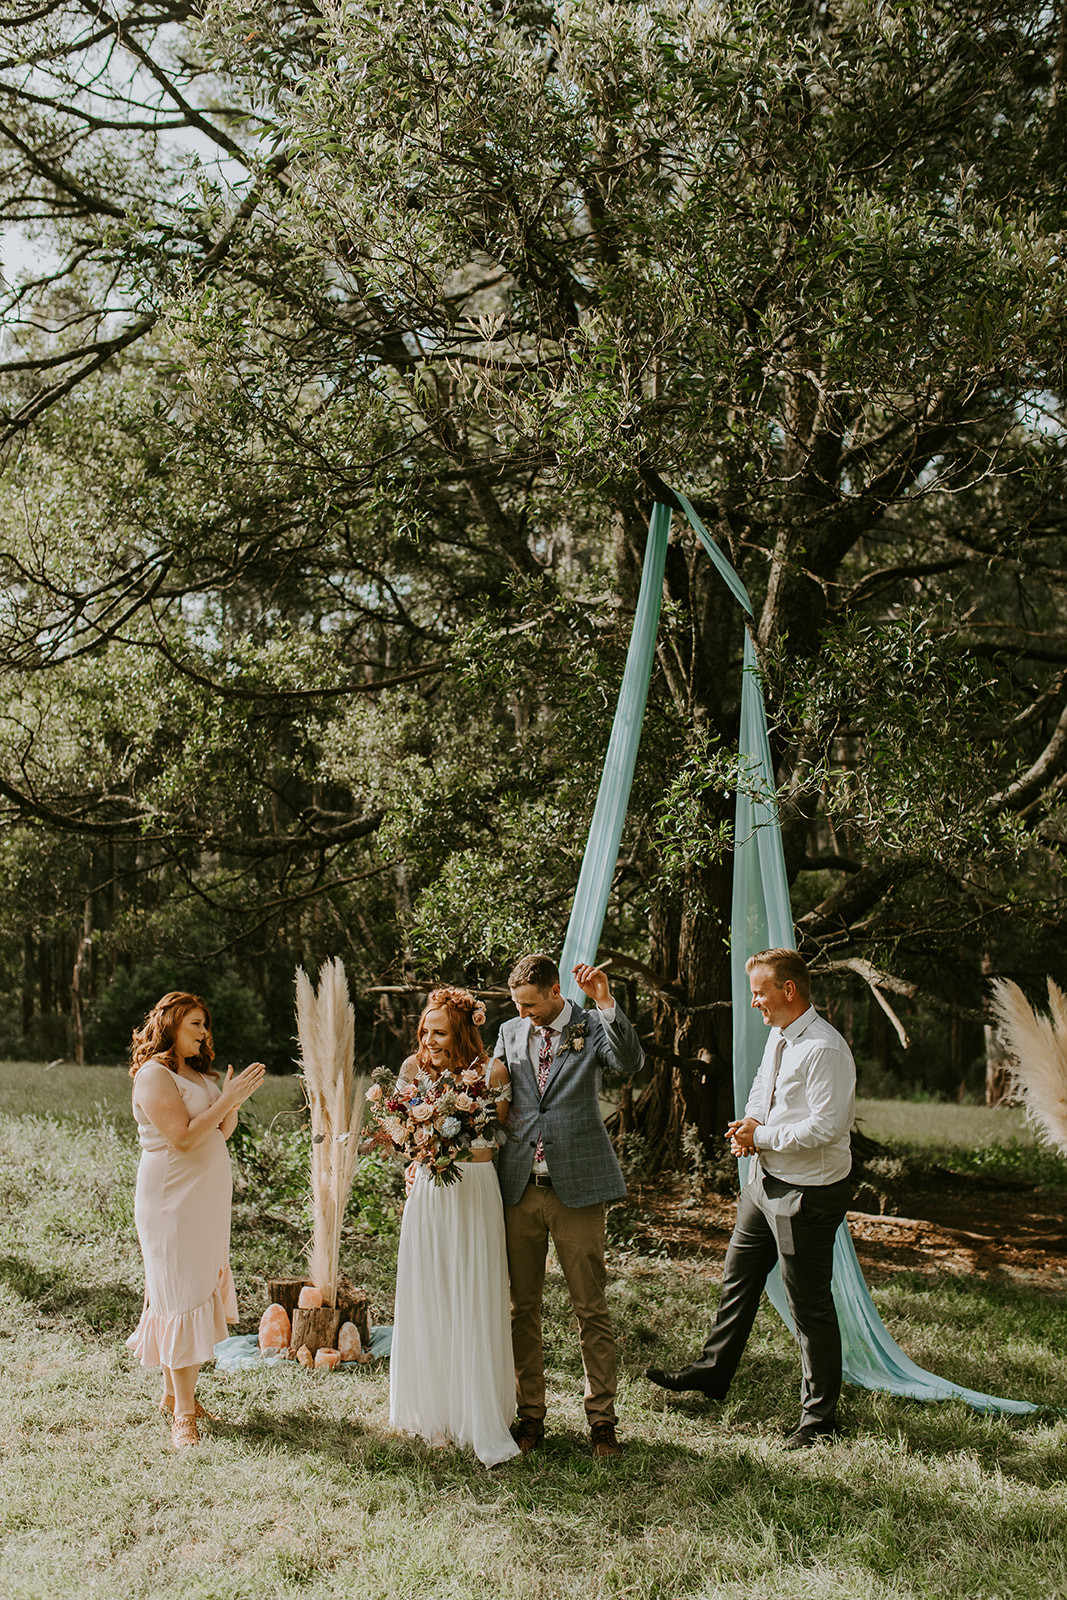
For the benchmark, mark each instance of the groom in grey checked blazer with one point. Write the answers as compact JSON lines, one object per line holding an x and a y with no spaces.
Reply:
{"x":557,"y":1171}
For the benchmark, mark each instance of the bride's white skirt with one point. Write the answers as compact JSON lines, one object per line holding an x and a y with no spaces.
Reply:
{"x":451,"y":1370}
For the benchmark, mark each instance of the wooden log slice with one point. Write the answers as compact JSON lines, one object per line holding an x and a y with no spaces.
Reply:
{"x":285,"y":1292}
{"x":354,"y":1307}
{"x":316,"y":1327}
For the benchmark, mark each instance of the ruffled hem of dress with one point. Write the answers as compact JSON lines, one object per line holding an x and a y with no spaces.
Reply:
{"x":187,"y":1339}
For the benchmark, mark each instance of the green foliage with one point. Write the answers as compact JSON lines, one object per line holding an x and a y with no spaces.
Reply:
{"x":879,"y":702}
{"x":274,"y":1174}
{"x":239,"y":1028}
{"x":689,"y":833}
{"x":317,"y":587}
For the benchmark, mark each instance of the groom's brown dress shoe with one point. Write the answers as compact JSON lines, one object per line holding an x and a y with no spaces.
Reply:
{"x":685,"y":1379}
{"x":528,"y":1433}
{"x":603,"y":1441}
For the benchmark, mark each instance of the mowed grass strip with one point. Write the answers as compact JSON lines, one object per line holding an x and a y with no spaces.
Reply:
{"x":302,"y":1489}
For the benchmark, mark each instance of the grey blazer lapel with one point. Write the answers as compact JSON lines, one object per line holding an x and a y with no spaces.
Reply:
{"x":566,"y":1053}
{"x":522,"y":1044}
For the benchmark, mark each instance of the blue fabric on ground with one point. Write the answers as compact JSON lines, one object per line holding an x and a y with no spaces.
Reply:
{"x":241,"y":1350}
{"x":761,"y":917}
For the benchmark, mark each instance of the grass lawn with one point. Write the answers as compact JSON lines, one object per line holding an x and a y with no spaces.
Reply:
{"x":925,"y":1122}
{"x":102,"y":1094}
{"x":302,"y":1490}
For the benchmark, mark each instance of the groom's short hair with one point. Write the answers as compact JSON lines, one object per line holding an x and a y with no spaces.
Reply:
{"x":540,"y":970}
{"x":785,"y":966}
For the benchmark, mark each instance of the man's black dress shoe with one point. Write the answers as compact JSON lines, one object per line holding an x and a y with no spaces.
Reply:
{"x":810,"y":1433}
{"x":685,"y":1378}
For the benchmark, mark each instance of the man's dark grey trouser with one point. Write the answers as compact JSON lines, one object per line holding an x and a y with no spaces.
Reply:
{"x":760,"y":1238}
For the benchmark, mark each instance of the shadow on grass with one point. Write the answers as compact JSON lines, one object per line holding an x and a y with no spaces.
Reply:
{"x":103,"y":1307}
{"x":763,"y":1402}
{"x":563,"y":1459}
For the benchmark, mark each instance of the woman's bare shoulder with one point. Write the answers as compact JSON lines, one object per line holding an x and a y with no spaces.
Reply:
{"x":152,"y":1077}
{"x":152,"y":1071}
{"x":410,"y":1070}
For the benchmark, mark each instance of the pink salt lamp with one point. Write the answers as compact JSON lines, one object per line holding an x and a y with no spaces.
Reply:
{"x":275,"y":1330}
{"x":310,"y":1298}
{"x":349,"y":1342}
{"x":326,"y":1360}
{"x":304,"y":1356}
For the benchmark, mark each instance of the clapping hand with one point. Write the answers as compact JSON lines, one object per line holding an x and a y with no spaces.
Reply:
{"x":741,"y":1135}
{"x":245,"y":1084}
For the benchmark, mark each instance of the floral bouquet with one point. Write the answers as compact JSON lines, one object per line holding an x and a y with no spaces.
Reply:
{"x":434,"y":1122}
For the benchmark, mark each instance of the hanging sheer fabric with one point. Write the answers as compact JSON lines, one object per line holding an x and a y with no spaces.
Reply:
{"x":609,"y":814}
{"x":760,"y":919}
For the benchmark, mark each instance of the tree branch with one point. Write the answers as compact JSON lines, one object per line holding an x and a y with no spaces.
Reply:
{"x":1049,"y":765}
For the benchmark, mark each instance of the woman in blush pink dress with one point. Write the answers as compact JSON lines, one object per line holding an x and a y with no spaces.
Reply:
{"x":182,"y":1206}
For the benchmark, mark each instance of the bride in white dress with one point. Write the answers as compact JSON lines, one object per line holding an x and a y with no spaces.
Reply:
{"x":452,"y":1373}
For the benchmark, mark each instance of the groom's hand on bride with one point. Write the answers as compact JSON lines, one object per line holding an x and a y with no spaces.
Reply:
{"x":592,"y":981}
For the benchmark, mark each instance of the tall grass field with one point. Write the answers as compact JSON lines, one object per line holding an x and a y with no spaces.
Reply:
{"x":301,"y":1489}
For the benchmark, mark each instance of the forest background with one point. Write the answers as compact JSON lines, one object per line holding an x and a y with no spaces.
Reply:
{"x":346,"y":348}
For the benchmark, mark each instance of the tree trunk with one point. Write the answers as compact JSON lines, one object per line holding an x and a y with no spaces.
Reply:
{"x":317,"y":1327}
{"x":76,"y":983}
{"x":691,"y":1015}
{"x":999,"y":1063}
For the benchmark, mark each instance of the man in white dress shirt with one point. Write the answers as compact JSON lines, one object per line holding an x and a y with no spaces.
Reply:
{"x":796,"y":1127}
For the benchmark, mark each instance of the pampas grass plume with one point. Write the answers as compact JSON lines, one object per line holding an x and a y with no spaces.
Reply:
{"x":325,"y":1023}
{"x":1039,"y":1045}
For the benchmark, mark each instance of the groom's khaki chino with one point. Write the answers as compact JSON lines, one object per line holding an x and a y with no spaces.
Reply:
{"x":582,"y":1176}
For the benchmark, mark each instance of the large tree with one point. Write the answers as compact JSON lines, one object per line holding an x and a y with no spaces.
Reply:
{"x":368,"y":338}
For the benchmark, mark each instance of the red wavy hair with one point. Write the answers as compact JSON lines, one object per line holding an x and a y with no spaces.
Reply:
{"x":466,"y":1048}
{"x":155,"y":1040}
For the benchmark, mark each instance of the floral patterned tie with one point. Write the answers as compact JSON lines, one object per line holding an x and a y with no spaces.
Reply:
{"x":544,"y":1067}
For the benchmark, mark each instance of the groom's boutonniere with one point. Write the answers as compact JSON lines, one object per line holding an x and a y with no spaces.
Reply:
{"x":576,"y":1036}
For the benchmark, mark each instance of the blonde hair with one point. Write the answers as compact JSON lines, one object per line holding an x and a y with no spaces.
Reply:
{"x":465,"y":1017}
{"x":785,"y":966}
{"x":155,"y":1040}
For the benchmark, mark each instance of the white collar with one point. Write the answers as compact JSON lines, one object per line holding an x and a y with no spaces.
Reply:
{"x":559,"y":1021}
{"x":792,"y":1030}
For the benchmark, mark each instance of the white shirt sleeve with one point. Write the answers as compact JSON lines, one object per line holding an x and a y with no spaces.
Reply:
{"x":830,"y":1085}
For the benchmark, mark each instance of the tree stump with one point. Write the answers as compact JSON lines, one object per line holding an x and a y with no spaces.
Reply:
{"x":354,"y":1307}
{"x":285,"y":1292}
{"x":316,"y":1327}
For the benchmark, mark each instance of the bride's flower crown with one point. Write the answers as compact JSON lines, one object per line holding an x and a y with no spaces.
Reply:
{"x":459,"y":1000}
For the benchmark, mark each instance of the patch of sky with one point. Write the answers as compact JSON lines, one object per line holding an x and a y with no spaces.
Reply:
{"x":117,"y":107}
{"x":1043,"y":412}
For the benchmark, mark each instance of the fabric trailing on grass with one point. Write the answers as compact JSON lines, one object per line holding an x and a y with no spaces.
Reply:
{"x":761,"y":918}
{"x":241,"y":1351}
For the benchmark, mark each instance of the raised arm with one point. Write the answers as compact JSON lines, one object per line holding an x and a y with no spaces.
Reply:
{"x":623,"y":1045}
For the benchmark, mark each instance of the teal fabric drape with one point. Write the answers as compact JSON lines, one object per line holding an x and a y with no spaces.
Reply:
{"x":761,"y":917}
{"x":605,"y":830}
